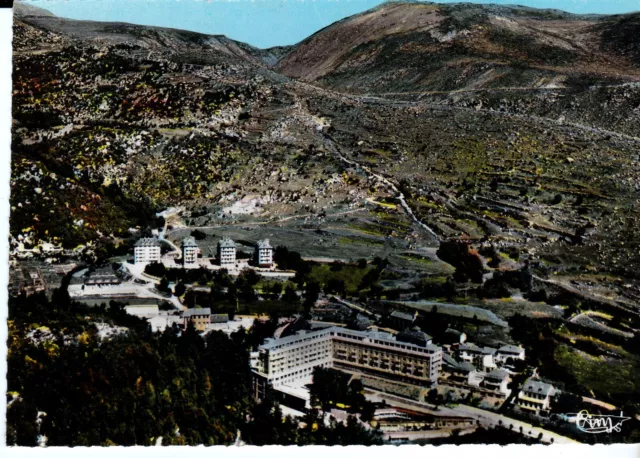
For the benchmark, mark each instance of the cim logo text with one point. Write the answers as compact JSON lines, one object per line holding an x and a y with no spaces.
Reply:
{"x":596,"y":424}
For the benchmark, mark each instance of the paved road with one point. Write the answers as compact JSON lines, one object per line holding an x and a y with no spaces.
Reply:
{"x":493,"y":419}
{"x":137,"y":272}
{"x":484,"y":417}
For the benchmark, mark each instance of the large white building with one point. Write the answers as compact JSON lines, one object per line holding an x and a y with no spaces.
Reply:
{"x":146,"y":249}
{"x":227,"y":252}
{"x":290,"y":360}
{"x":190,"y":251}
{"x":264,"y":253}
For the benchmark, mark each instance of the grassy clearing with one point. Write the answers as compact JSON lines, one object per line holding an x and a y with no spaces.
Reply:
{"x":602,"y":315}
{"x":351,"y":275}
{"x":389,"y":218}
{"x":574,"y":338}
{"x":370,"y":229}
{"x":423,"y":260}
{"x":359,"y":241}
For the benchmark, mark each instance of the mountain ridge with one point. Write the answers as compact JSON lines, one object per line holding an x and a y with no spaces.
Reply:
{"x":403,"y":46}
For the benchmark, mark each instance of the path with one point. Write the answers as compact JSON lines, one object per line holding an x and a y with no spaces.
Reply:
{"x":330,"y":142}
{"x":137,"y":272}
{"x":352,"y":305}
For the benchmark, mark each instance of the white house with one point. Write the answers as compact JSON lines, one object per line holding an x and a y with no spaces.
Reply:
{"x":497,"y":380}
{"x":264,"y":253}
{"x":146,"y":249}
{"x":509,"y":353}
{"x":461,"y":371}
{"x":227,"y":252}
{"x":481,"y":357}
{"x":190,"y":251}
{"x":536,"y":396}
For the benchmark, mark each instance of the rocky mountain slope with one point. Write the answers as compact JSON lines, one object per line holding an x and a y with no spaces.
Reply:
{"x":507,"y":126}
{"x":487,"y":56}
{"x":429,"y":47}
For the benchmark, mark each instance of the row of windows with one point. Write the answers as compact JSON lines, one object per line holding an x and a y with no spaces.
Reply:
{"x":303,"y":340}
{"x":309,"y":341}
{"x":385,"y":354}
{"x":302,"y":373}
{"x":385,"y":343}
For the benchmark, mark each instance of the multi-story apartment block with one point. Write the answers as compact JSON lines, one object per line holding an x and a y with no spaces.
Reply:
{"x":227,"y":252}
{"x":190,"y":251}
{"x":146,"y":249}
{"x":264,"y":253}
{"x":291,"y":360}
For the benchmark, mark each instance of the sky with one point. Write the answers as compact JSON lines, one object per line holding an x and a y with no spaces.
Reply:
{"x":266,"y":23}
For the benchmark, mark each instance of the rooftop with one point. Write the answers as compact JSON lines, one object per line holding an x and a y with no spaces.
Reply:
{"x":147,"y":241}
{"x":189,"y":242}
{"x":196,"y":312}
{"x":497,"y":374}
{"x":509,"y":349}
{"x":371,"y":335}
{"x":538,"y":387}
{"x":264,"y":244}
{"x":414,"y":335}
{"x":462,"y":366}
{"x":226,"y":242}
{"x":219,"y":317}
{"x":402,"y":315}
{"x":473,"y":348}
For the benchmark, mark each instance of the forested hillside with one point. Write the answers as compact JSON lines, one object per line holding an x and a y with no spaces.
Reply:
{"x":82,"y":376}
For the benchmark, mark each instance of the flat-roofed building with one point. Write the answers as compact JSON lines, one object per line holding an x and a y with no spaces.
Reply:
{"x":146,"y":249}
{"x":264,"y":253}
{"x":219,"y":318}
{"x":190,"y":251}
{"x":143,"y":310}
{"x":100,"y":279}
{"x":201,"y":318}
{"x":226,"y":252}
{"x":291,"y":360}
